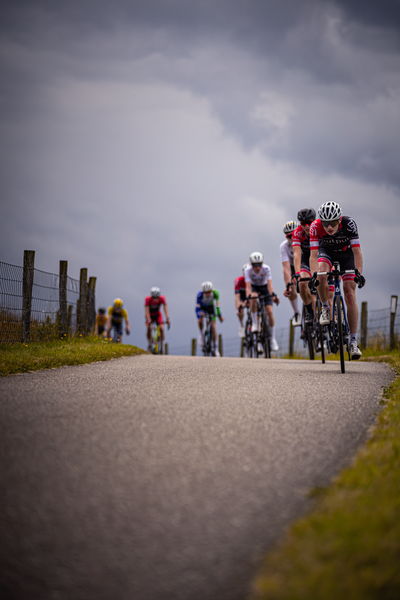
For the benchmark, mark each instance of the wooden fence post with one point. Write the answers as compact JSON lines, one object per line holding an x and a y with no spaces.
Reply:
{"x":62,"y":294}
{"x":291,"y":339}
{"x":220,"y":346}
{"x":166,"y":348}
{"x":364,"y":325}
{"x":82,"y":306}
{"x":91,"y":319}
{"x":194,"y":347}
{"x":27,"y":286}
{"x":393,"y":309}
{"x":242,"y":348}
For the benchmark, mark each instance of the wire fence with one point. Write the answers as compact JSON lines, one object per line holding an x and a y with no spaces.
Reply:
{"x":46,"y":320}
{"x":378,"y":328}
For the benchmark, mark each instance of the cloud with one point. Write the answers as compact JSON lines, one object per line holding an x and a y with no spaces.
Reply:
{"x":161,"y":143}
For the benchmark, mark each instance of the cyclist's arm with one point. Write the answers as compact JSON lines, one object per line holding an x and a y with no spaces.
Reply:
{"x":166,"y":312}
{"x":297,"y":258}
{"x":271,"y":291}
{"x":147,"y":314}
{"x":287,"y":272}
{"x":313,"y":260}
{"x":358,"y":259}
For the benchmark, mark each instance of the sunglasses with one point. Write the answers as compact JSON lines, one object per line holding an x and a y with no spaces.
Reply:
{"x":256,"y":265}
{"x":305,"y":222}
{"x":331,"y":223}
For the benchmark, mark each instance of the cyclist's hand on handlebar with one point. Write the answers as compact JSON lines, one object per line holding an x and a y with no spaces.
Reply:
{"x":360,"y":281}
{"x":169,"y":323}
{"x":128,"y":331}
{"x":287,"y":290}
{"x":275,"y":298}
{"x":313,"y":283}
{"x":221,"y":318}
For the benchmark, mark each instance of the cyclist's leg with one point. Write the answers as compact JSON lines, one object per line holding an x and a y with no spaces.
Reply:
{"x":271,"y":321}
{"x":200,"y":322}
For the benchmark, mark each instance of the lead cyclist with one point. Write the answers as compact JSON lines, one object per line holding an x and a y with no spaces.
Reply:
{"x":334,"y":237}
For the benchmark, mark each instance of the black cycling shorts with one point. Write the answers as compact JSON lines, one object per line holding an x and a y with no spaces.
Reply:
{"x":345,"y":260}
{"x":263,"y":291}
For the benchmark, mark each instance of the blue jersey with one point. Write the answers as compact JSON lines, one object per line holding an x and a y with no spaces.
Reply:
{"x":204,"y":301}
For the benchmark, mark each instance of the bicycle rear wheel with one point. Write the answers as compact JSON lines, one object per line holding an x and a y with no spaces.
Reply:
{"x":339,"y":325}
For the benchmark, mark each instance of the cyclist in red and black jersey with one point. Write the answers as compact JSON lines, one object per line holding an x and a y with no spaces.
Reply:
{"x":153,"y":305}
{"x":301,"y":257}
{"x":334,"y":237}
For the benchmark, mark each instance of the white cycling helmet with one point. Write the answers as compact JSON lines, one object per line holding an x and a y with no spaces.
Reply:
{"x":256,"y":257}
{"x":155,"y":292}
{"x":329,"y":211}
{"x":207,"y":286}
{"x":289,"y":227}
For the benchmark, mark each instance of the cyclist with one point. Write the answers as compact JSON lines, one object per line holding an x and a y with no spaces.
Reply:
{"x":208,"y":302}
{"x":152,"y":309}
{"x":334,"y":237}
{"x":301,"y":251}
{"x":288,"y":270}
{"x":101,"y":320}
{"x":257,"y":276}
{"x":240,"y":300}
{"x":116,"y":316}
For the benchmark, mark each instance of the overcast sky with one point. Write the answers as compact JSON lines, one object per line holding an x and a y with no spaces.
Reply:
{"x":160,"y":142}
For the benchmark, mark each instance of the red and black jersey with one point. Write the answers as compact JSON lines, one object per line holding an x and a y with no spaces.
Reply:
{"x":301,"y":239}
{"x":239,"y":284}
{"x":154,"y":304}
{"x":346,"y":236}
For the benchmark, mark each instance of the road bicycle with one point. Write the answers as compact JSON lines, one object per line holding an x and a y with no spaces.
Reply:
{"x":156,"y":341}
{"x":248,"y":341}
{"x":314,"y":335}
{"x":339,"y":331}
{"x":257,"y":343}
{"x":207,"y":338}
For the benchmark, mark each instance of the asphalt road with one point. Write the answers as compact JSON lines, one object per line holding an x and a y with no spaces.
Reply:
{"x":166,"y":478}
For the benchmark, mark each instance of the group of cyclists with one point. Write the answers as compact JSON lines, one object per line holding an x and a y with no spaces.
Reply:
{"x":313,"y":243}
{"x":312,"y":246}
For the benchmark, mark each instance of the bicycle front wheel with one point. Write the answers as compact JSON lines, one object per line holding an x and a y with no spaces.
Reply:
{"x":339,"y":325}
{"x":319,"y":330}
{"x":265,"y":339}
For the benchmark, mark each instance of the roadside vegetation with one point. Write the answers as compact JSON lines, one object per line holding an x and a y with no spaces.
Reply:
{"x":32,"y":356}
{"x":348,"y":546}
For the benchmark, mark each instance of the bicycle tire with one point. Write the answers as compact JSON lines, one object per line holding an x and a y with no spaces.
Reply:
{"x":339,"y":325}
{"x":320,"y":329}
{"x":248,"y":339}
{"x":265,"y":338}
{"x":254,"y":343}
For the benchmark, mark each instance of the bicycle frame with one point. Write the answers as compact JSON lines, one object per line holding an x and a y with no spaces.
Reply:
{"x":207,"y":344}
{"x":339,"y":326}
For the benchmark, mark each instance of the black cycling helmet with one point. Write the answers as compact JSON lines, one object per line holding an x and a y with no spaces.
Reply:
{"x":102,"y":311}
{"x":306,"y":214}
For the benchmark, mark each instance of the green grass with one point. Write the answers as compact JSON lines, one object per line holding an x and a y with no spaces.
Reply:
{"x":348,"y":547}
{"x":22,"y":358}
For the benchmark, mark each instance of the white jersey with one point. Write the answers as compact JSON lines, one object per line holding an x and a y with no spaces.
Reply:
{"x":259,"y":278}
{"x":286,"y":252}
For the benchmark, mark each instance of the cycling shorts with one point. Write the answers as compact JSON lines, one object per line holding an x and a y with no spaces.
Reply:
{"x":117,"y":326}
{"x":345,"y":260}
{"x":262,"y":290}
{"x":156,"y":318}
{"x":242,"y":295}
{"x":209,"y":310}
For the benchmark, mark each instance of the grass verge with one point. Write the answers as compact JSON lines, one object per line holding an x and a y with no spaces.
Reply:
{"x":349,"y":545}
{"x":22,"y":358}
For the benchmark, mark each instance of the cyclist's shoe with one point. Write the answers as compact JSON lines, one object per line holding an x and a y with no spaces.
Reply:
{"x":149,"y":348}
{"x":260,"y":349}
{"x":325,"y":317}
{"x":217,"y":354}
{"x":200,"y":341}
{"x":274,"y":344}
{"x":296,"y":321}
{"x":308,"y":318}
{"x":241,"y":331}
{"x":254,"y":327}
{"x":355,"y":351}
